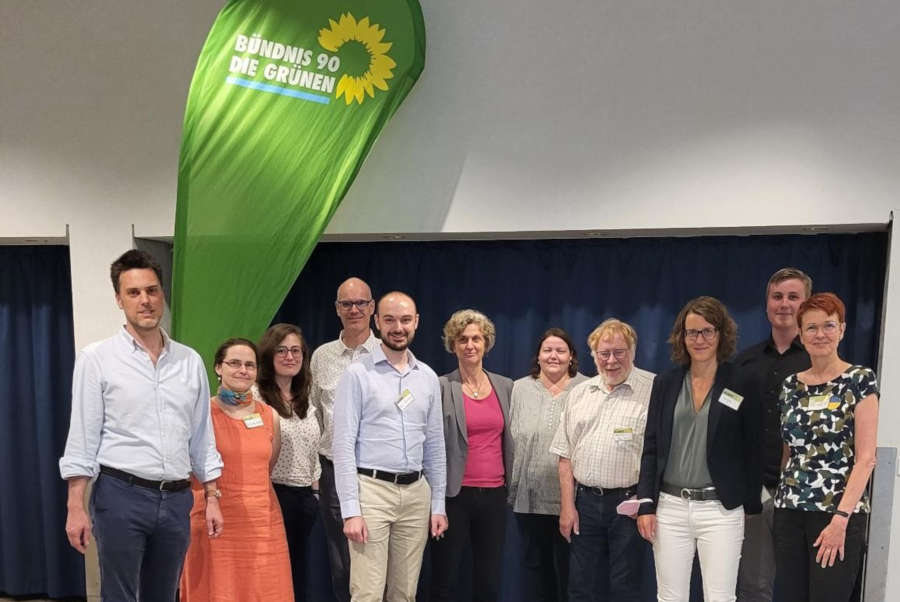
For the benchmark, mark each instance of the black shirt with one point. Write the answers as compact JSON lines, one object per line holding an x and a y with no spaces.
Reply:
{"x":762,"y":367}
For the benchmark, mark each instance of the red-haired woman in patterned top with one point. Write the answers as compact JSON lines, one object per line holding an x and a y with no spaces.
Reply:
{"x":829,"y":423}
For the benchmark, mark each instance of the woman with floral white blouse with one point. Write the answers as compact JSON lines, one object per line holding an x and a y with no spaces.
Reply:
{"x":284,"y":382}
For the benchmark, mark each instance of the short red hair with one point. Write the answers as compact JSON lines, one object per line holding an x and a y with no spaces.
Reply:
{"x":827,"y":302}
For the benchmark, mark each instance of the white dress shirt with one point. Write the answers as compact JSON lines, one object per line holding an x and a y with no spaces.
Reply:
{"x":372,"y":430}
{"x":149,"y":420}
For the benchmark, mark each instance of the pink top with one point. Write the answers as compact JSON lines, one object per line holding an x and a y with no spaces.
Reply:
{"x":484,"y":426}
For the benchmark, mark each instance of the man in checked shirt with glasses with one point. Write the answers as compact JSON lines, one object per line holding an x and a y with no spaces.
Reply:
{"x":354,"y":306}
{"x":599,"y":444}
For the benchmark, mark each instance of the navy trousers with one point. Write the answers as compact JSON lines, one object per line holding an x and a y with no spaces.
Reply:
{"x":338,"y":549}
{"x":142,"y":536}
{"x":300,"y":508}
{"x":606,"y":559}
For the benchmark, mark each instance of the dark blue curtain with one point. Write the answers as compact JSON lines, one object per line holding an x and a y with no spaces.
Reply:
{"x":528,"y":286}
{"x":37,"y":352}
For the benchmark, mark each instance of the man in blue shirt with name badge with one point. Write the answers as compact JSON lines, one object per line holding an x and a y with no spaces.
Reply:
{"x":140,"y":425}
{"x":389,"y":458}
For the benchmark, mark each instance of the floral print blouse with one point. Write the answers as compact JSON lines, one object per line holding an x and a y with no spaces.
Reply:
{"x":818,"y":426}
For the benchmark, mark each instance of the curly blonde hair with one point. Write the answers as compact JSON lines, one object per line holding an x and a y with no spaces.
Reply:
{"x":462,"y":318}
{"x":610,"y":328}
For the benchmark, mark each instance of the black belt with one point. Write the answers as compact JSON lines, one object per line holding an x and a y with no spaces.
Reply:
{"x":398,"y":478}
{"x":688,"y":493}
{"x":608,"y":490}
{"x":133,"y":480}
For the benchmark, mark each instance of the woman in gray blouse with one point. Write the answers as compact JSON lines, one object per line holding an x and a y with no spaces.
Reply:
{"x":536,"y":404}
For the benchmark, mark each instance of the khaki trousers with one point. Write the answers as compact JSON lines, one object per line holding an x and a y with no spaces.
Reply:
{"x":397,"y":518}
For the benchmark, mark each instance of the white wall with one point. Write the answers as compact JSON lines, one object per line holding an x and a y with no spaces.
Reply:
{"x":530,"y":116}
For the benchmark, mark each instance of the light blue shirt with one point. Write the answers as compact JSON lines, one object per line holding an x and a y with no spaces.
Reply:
{"x":371,"y":431}
{"x":150,"y":421}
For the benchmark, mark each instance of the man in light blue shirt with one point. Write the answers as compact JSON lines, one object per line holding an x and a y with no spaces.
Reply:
{"x":388,"y":434}
{"x":140,"y":424}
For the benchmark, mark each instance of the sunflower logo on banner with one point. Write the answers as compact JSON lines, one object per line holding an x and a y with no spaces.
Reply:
{"x":348,"y":32}
{"x":286,"y":101}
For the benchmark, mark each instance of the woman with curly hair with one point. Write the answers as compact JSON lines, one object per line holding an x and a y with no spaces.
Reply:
{"x":701,"y":465}
{"x":479,"y":460}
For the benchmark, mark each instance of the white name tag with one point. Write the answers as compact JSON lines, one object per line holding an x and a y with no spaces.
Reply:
{"x":623,"y":433}
{"x":731,"y":399}
{"x":818,"y":403}
{"x":253,"y":421}
{"x":405,"y":399}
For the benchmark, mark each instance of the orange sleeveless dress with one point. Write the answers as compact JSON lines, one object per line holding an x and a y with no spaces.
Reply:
{"x":249,"y":562}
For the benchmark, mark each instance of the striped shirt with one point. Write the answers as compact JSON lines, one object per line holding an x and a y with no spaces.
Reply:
{"x":602,"y":432}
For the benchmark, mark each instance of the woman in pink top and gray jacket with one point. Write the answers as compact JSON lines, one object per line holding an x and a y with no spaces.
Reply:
{"x":479,"y":458}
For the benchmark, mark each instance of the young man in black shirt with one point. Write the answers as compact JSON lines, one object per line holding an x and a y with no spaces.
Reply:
{"x":767,"y":364}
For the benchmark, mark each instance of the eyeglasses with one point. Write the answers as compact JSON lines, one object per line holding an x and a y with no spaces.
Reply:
{"x":347,"y":305}
{"x":829,"y":328}
{"x":236,"y":365}
{"x":604,"y":355}
{"x":283,"y":351}
{"x":707,"y":333}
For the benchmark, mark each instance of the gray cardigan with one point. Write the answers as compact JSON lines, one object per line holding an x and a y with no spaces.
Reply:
{"x":455,"y":436}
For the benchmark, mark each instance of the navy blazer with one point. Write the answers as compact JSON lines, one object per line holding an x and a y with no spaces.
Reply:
{"x":456,"y":437}
{"x":733,"y":446}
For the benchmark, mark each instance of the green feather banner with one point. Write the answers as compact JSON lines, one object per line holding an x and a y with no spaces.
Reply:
{"x":286,"y":101}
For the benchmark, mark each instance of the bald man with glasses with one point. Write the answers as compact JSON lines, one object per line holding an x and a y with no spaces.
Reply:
{"x":354,"y":307}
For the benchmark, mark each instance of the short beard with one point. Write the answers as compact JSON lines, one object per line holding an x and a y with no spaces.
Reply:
{"x":395,"y":347}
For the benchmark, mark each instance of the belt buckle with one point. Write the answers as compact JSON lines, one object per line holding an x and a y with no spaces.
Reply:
{"x":162,"y":485}
{"x":599,"y":491}
{"x":396,"y":477}
{"x":686,"y":494}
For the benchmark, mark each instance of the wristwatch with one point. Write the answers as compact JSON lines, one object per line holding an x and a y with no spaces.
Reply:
{"x":213,"y":493}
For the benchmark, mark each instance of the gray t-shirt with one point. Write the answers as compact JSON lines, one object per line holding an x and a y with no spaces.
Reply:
{"x":686,"y":466}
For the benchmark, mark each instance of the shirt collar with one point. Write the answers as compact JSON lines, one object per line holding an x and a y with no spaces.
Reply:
{"x":369,"y":344}
{"x":136,"y":346}
{"x":379,"y":356}
{"x":795,"y":345}
{"x":597,"y":383}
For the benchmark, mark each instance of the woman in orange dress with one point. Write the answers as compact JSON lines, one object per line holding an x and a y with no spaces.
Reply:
{"x":250,"y":561}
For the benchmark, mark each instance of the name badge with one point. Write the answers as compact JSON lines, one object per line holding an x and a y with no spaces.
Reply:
{"x":731,"y":399}
{"x":623,"y":433}
{"x":405,"y":399}
{"x":253,"y":421}
{"x":818,"y":403}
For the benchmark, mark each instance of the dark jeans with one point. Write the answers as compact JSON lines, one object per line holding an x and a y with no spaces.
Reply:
{"x":606,"y":557}
{"x":142,"y":536}
{"x":476,"y":515}
{"x":545,"y":558}
{"x":800,"y":578}
{"x":338,"y":551}
{"x":299,"y":507}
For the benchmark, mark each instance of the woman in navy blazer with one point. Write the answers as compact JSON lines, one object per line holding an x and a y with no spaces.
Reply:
{"x":701,"y":464}
{"x":479,"y":459}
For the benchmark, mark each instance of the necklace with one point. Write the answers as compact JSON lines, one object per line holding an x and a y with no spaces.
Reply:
{"x":475,"y":393}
